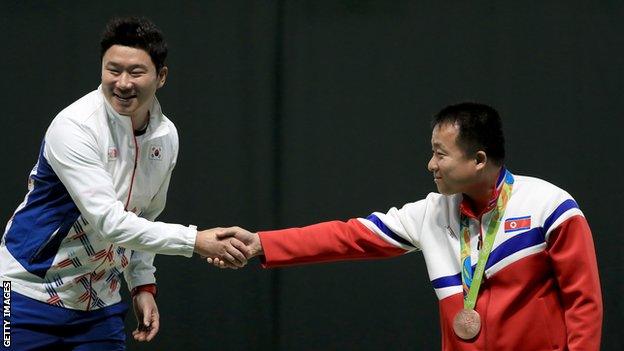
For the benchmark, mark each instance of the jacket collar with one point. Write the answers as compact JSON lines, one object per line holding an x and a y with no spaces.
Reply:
{"x":156,"y":127}
{"x":465,"y":208}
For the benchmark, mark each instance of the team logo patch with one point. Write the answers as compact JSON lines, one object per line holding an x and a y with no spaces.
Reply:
{"x":519,"y":223}
{"x":156,"y":152}
{"x":112,"y":153}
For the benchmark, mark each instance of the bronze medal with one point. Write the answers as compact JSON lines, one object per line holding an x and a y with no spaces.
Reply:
{"x":467,"y":324}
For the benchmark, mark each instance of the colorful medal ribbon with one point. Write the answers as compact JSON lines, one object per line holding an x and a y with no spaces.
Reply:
{"x":471,"y":281}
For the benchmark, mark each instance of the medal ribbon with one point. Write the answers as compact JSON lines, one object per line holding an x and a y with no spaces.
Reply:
{"x":471,"y":282}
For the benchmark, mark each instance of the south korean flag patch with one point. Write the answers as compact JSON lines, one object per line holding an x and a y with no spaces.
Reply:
{"x":156,"y":152}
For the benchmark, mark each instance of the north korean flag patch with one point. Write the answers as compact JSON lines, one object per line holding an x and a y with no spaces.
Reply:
{"x":518,"y":223}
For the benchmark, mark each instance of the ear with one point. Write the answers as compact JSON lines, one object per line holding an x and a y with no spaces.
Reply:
{"x":162,"y":76}
{"x":481,"y":160}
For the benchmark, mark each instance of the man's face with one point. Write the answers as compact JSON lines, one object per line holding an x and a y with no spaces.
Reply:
{"x":453,"y":171}
{"x":130,"y":80}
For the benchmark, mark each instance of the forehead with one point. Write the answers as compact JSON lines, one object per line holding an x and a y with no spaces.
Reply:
{"x":127,"y":55}
{"x":444,"y":134}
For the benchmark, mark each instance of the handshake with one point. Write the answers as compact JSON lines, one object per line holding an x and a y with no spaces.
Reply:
{"x":228,"y":247}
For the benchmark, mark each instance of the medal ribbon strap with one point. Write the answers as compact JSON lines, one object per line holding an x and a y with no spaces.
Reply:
{"x":472,"y":282}
{"x":466,"y":262}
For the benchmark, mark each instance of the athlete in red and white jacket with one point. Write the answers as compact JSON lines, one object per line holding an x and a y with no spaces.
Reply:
{"x":541,"y":289}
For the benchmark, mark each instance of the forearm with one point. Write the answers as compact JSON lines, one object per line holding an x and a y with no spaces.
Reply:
{"x":128,"y":230}
{"x":323,"y":242}
{"x":140,"y":269}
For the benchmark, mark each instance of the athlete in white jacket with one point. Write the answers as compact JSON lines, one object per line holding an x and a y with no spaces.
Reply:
{"x":99,"y":183}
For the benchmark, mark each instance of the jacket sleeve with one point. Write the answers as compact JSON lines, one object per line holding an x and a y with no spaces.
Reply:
{"x":377,"y":236}
{"x":323,"y":242}
{"x":73,"y":155}
{"x":140,"y":270}
{"x":571,"y":249}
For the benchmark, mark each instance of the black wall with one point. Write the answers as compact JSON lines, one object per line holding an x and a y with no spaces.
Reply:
{"x":294,"y":112}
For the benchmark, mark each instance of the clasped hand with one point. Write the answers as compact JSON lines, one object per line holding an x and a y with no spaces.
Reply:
{"x":228,"y":247}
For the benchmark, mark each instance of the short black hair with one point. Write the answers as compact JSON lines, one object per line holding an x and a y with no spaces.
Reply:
{"x":480,"y":128}
{"x":136,"y":32}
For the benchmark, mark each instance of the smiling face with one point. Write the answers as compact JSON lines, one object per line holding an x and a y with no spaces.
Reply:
{"x":130,"y":80}
{"x":453,"y":171}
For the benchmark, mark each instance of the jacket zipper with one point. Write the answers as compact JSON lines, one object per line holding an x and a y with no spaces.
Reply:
{"x":43,"y":246}
{"x":136,"y":158}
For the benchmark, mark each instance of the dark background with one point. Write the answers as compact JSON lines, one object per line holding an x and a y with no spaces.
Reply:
{"x":294,"y":112}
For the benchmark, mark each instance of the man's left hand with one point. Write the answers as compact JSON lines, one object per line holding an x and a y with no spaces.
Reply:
{"x":148,"y":319}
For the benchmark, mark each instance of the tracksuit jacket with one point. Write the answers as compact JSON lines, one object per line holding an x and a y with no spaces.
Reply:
{"x":88,"y":214}
{"x":541,"y":289}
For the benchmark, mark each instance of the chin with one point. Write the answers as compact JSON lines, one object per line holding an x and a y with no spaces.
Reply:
{"x":447,"y":192}
{"x":123,"y":111}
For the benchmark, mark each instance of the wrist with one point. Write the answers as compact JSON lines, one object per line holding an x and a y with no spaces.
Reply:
{"x":196,"y":247}
{"x":150,"y":288}
{"x":257,"y":248}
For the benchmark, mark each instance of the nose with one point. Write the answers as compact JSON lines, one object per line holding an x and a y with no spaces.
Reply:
{"x":432,"y":166}
{"x":124,"y":82}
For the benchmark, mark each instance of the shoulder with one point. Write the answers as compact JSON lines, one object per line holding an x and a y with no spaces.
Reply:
{"x":538,"y":189}
{"x":84,"y":109}
{"x":439,"y":202}
{"x":83,"y":115}
{"x":170,"y":126}
{"x":168,"y":134}
{"x":547,"y":203}
{"x":433,"y":205}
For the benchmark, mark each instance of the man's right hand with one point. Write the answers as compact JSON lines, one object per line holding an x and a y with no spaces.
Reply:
{"x":251,"y":240}
{"x":230,"y":251}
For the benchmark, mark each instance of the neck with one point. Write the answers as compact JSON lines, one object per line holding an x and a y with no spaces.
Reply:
{"x":139,"y":121}
{"x":142,"y":115}
{"x":479,"y":197}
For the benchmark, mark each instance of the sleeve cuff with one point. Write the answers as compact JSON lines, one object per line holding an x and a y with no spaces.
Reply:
{"x":146,"y":279}
{"x":150,"y":288}
{"x":190,"y":236}
{"x":265,"y":259}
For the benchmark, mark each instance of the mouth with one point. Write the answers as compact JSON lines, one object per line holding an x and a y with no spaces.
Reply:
{"x":125,"y":98}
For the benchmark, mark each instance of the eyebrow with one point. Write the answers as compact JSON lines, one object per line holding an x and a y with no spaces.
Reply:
{"x":439,"y":146}
{"x":131,"y":67}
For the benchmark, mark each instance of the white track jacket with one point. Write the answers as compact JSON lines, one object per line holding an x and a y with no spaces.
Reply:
{"x":88,"y":215}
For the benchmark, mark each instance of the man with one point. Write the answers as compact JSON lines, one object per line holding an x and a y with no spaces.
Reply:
{"x":511,"y":258}
{"x":100,"y":181}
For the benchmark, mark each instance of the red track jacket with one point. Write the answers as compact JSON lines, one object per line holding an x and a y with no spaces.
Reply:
{"x":541,"y":289}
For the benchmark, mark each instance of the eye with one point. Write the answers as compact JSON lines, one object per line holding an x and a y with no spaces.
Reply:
{"x":137,"y":73}
{"x":113,"y":71}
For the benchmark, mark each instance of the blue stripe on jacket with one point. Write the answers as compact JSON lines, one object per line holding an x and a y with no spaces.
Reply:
{"x":49,"y":208}
{"x":380,"y":224}
{"x":512,"y":245}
